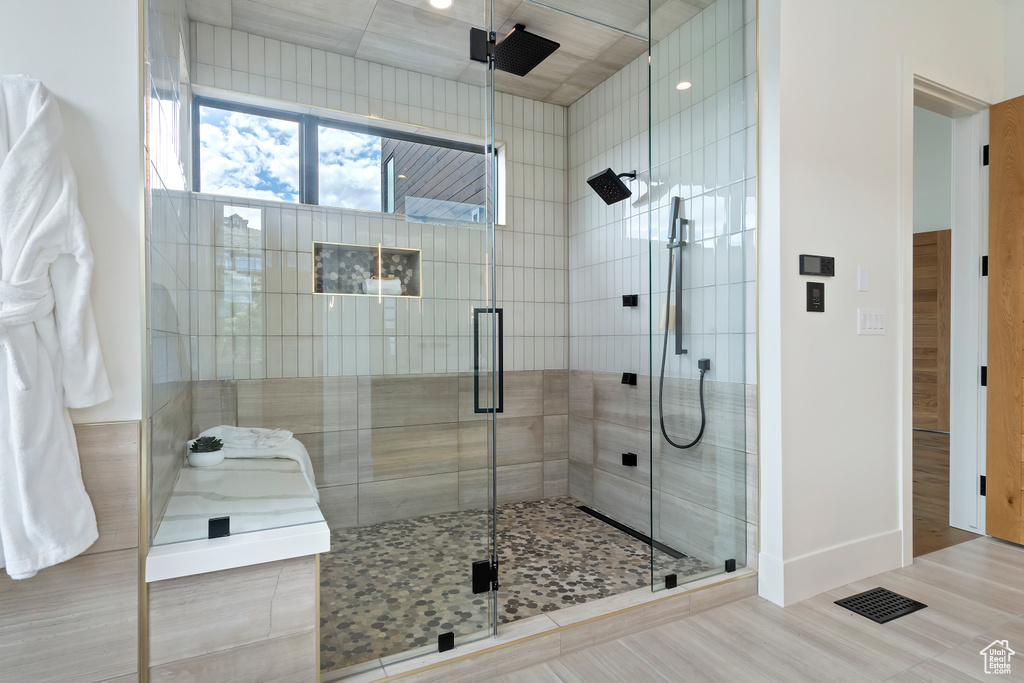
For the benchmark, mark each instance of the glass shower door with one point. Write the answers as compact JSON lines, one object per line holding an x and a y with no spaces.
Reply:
{"x":413,"y":575}
{"x":703,"y":128}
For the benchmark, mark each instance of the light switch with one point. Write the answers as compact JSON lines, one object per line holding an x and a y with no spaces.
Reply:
{"x":862,"y":279}
{"x":870,"y":321}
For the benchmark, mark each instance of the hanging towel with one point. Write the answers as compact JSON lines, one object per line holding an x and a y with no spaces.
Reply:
{"x":49,"y":352}
{"x":239,"y":444}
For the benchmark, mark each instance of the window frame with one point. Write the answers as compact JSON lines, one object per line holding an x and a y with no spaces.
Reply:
{"x":309,"y":141}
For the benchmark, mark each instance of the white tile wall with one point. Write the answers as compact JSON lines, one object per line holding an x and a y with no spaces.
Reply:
{"x":531,"y":281}
{"x":702,"y":149}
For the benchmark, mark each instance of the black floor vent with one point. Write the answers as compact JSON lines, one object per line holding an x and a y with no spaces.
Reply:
{"x":880,"y":605}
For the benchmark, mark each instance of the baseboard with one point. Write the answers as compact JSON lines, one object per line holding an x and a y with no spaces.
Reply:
{"x":786,"y":582}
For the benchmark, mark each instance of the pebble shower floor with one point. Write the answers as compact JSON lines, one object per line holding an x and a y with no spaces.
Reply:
{"x":381,"y":585}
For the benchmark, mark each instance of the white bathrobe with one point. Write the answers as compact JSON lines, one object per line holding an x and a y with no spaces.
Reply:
{"x":49,"y":352}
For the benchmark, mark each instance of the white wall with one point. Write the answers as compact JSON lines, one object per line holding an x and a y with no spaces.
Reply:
{"x":836,"y":114}
{"x":933,"y":171}
{"x":87,"y":53}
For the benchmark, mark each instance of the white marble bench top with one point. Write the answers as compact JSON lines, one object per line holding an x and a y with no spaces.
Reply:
{"x":273,"y":516}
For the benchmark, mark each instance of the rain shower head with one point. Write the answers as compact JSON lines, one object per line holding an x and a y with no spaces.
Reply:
{"x":521,"y":51}
{"x":609,"y":187}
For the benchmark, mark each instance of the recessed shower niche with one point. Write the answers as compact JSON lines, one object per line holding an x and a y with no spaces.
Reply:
{"x":366,"y":270}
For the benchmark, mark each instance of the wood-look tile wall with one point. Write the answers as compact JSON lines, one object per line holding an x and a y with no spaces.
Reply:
{"x":236,"y":626}
{"x":704,"y":498}
{"x":78,"y":621}
{"x":397,"y":446}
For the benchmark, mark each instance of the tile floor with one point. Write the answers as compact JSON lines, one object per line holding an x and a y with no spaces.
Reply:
{"x":974,"y":592}
{"x":392,"y":587}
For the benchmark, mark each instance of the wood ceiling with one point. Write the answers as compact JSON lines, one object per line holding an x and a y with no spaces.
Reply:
{"x":411,"y":34}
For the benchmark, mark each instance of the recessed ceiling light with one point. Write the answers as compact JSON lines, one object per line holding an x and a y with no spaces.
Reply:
{"x":683,"y":85}
{"x":441,"y":4}
{"x":401,"y":176}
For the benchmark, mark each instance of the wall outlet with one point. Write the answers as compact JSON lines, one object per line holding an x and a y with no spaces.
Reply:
{"x":870,"y":321}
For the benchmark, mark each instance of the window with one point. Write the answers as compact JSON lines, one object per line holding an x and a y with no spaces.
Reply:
{"x":246,"y":154}
{"x":349,"y":169}
{"x":389,"y":185}
{"x":267,"y":154}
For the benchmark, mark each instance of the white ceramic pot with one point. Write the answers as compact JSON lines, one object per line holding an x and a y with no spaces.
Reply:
{"x":204,"y":459}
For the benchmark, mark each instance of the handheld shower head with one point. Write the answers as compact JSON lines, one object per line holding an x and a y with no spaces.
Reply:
{"x":609,"y":187}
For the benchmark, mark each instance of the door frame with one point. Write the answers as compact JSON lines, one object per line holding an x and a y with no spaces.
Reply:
{"x":968,"y":296}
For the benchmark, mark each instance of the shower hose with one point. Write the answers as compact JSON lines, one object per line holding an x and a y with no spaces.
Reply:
{"x":661,"y":379}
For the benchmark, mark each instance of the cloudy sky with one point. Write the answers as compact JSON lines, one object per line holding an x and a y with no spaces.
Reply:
{"x":254,"y":156}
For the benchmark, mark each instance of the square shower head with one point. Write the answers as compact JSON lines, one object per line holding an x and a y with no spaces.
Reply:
{"x":609,"y":186}
{"x":521,"y":51}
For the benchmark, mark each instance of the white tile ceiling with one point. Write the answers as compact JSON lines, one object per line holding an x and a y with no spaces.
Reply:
{"x":413,"y":35}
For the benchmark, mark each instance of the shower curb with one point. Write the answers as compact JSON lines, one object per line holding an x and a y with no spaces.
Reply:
{"x":518,"y":653}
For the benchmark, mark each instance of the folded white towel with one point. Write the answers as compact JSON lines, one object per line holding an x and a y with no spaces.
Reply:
{"x":385,"y":287}
{"x":249,"y":437}
{"x":290,"y":449}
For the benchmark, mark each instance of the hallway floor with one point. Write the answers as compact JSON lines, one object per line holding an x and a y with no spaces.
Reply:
{"x":974,"y":592}
{"x":931,"y":495}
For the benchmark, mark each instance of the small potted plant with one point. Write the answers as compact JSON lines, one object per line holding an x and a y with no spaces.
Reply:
{"x":205,"y":452}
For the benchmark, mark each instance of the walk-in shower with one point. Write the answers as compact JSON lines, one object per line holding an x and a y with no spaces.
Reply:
{"x":395,"y":253}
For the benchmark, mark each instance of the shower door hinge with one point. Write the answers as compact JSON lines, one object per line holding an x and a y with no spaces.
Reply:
{"x":485,"y":576}
{"x":984,"y":266}
{"x":984,"y":155}
{"x":984,"y":375}
{"x":981,"y":486}
{"x":482,"y":45}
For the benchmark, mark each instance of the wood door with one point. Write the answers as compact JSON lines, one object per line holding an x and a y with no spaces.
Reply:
{"x":931,"y":330}
{"x":1005,"y":436}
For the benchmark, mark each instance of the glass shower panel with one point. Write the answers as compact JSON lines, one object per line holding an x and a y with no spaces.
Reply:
{"x":703,"y":130}
{"x":340,"y":268}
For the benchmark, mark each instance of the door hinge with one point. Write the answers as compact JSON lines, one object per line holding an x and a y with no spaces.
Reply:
{"x":984,"y":375}
{"x":984,"y":155}
{"x":485,"y":576}
{"x":982,"y":485}
{"x":481,"y":45}
{"x":984,"y":266}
